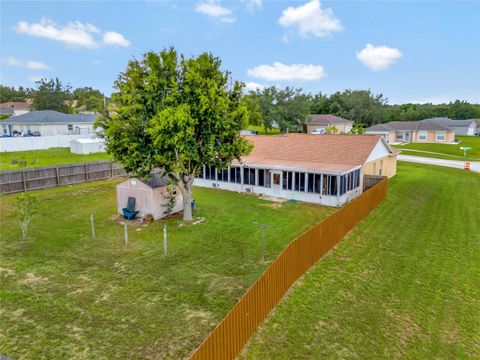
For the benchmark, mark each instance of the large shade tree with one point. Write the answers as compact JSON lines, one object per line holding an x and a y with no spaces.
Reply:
{"x":176,"y":114}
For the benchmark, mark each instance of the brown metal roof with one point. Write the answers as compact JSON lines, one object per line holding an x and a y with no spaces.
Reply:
{"x":318,"y":153}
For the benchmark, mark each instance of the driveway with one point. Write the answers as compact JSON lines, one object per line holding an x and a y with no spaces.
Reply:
{"x":474,"y":165}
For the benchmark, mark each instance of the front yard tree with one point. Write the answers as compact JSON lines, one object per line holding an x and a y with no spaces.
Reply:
{"x":26,"y":207}
{"x":176,"y":114}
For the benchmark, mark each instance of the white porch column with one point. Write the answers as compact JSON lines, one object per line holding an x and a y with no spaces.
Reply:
{"x":306,"y":182}
{"x":321,"y":184}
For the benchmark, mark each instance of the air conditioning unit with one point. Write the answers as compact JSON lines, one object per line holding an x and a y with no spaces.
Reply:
{"x":249,"y":190}
{"x":215,"y":185}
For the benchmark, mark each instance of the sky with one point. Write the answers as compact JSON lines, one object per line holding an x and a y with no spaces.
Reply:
{"x":410,"y":51}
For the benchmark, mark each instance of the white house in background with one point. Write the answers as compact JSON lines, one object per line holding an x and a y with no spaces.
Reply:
{"x":323,"y":169}
{"x":87,"y":146}
{"x":48,"y":123}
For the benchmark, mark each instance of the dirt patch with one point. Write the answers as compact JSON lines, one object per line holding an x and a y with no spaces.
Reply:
{"x":6,"y":272}
{"x":32,"y":279}
{"x":223,"y":285}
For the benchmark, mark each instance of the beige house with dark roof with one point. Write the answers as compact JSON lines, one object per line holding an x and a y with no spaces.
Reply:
{"x":324,"y":121}
{"x":323,"y":169}
{"x":428,"y":130}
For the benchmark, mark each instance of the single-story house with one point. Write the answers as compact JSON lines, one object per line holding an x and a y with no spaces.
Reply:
{"x":152,"y":196}
{"x":324,"y":121}
{"x":413,"y":131}
{"x":327,"y":169}
{"x":48,"y":123}
{"x":16,"y":108}
{"x":461,"y":127}
{"x":87,"y":146}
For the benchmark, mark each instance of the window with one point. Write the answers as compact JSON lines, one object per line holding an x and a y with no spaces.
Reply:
{"x":276,"y":179}
{"x":248,"y":176}
{"x":349,"y":181}
{"x":222,"y":175}
{"x":70,"y":127}
{"x":200,"y":173}
{"x":314,"y":183}
{"x":299,"y":181}
{"x":329,"y":185}
{"x":261,"y":177}
{"x":235,"y":175}
{"x":287,"y":180}
{"x":399,"y":136}
{"x":422,"y":135}
{"x":210,"y":172}
{"x":440,"y":135}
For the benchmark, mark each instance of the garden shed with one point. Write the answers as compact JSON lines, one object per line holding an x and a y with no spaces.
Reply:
{"x":152,"y":196}
{"x":87,"y":146}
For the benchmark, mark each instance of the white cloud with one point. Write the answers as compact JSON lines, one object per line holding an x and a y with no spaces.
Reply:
{"x":73,"y":34}
{"x":279,"y":72}
{"x":378,"y":57}
{"x":114,"y":38}
{"x":13,"y":61}
{"x":29,"y":64}
{"x":35,"y":78}
{"x":213,"y":9}
{"x":252,"y":5}
{"x":253,"y":86}
{"x":310,"y":18}
{"x":37,"y":65}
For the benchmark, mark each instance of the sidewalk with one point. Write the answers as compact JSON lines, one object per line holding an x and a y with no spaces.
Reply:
{"x":474,"y":165}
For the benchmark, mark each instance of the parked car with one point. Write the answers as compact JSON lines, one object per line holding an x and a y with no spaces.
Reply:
{"x":319,"y":131}
{"x":36,"y":133}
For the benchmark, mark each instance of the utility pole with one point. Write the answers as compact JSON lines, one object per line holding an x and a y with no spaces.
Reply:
{"x":264,"y":242}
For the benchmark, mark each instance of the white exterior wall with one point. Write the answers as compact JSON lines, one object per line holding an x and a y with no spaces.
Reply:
{"x":37,"y":143}
{"x":51,"y":129}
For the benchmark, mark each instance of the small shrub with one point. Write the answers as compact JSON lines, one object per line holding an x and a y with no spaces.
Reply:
{"x":26,"y":207}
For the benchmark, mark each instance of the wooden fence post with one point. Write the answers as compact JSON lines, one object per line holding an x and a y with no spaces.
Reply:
{"x":111,"y":169}
{"x":86,"y":172}
{"x":24,"y":177}
{"x":57,"y":176}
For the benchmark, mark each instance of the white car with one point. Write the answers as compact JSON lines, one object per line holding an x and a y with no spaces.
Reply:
{"x":319,"y":131}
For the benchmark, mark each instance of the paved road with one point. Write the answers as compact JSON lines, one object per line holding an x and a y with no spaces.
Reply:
{"x":474,"y":165}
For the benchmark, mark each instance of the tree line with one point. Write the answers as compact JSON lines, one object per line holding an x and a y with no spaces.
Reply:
{"x":52,"y":94}
{"x":270,"y":107}
{"x":288,"y":108}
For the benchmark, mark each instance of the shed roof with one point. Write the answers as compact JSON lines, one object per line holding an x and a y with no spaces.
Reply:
{"x":50,"y":117}
{"x":319,"y":153}
{"x":93,"y":140}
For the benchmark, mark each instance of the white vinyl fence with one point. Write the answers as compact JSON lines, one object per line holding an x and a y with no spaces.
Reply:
{"x":38,"y":143}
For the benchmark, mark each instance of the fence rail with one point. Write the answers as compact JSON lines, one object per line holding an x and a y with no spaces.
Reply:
{"x":230,"y":336}
{"x":52,"y":176}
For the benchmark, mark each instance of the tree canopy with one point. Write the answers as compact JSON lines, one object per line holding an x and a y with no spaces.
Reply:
{"x":176,"y":114}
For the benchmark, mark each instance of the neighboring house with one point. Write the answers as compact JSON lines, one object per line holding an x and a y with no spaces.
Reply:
{"x":413,"y":131}
{"x":6,"y":111}
{"x":323,"y":169}
{"x":461,"y":127}
{"x":48,"y":123}
{"x":17,"y":107}
{"x":324,"y":121}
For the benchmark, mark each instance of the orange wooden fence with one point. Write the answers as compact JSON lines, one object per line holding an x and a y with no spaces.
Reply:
{"x":230,"y":336}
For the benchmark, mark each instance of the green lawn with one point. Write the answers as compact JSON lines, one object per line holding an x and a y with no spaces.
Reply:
{"x":404,"y":284}
{"x":446,"y":149}
{"x":39,"y":158}
{"x":66,"y":296}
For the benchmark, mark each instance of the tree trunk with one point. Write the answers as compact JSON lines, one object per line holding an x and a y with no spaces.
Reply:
{"x":186,"y":190}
